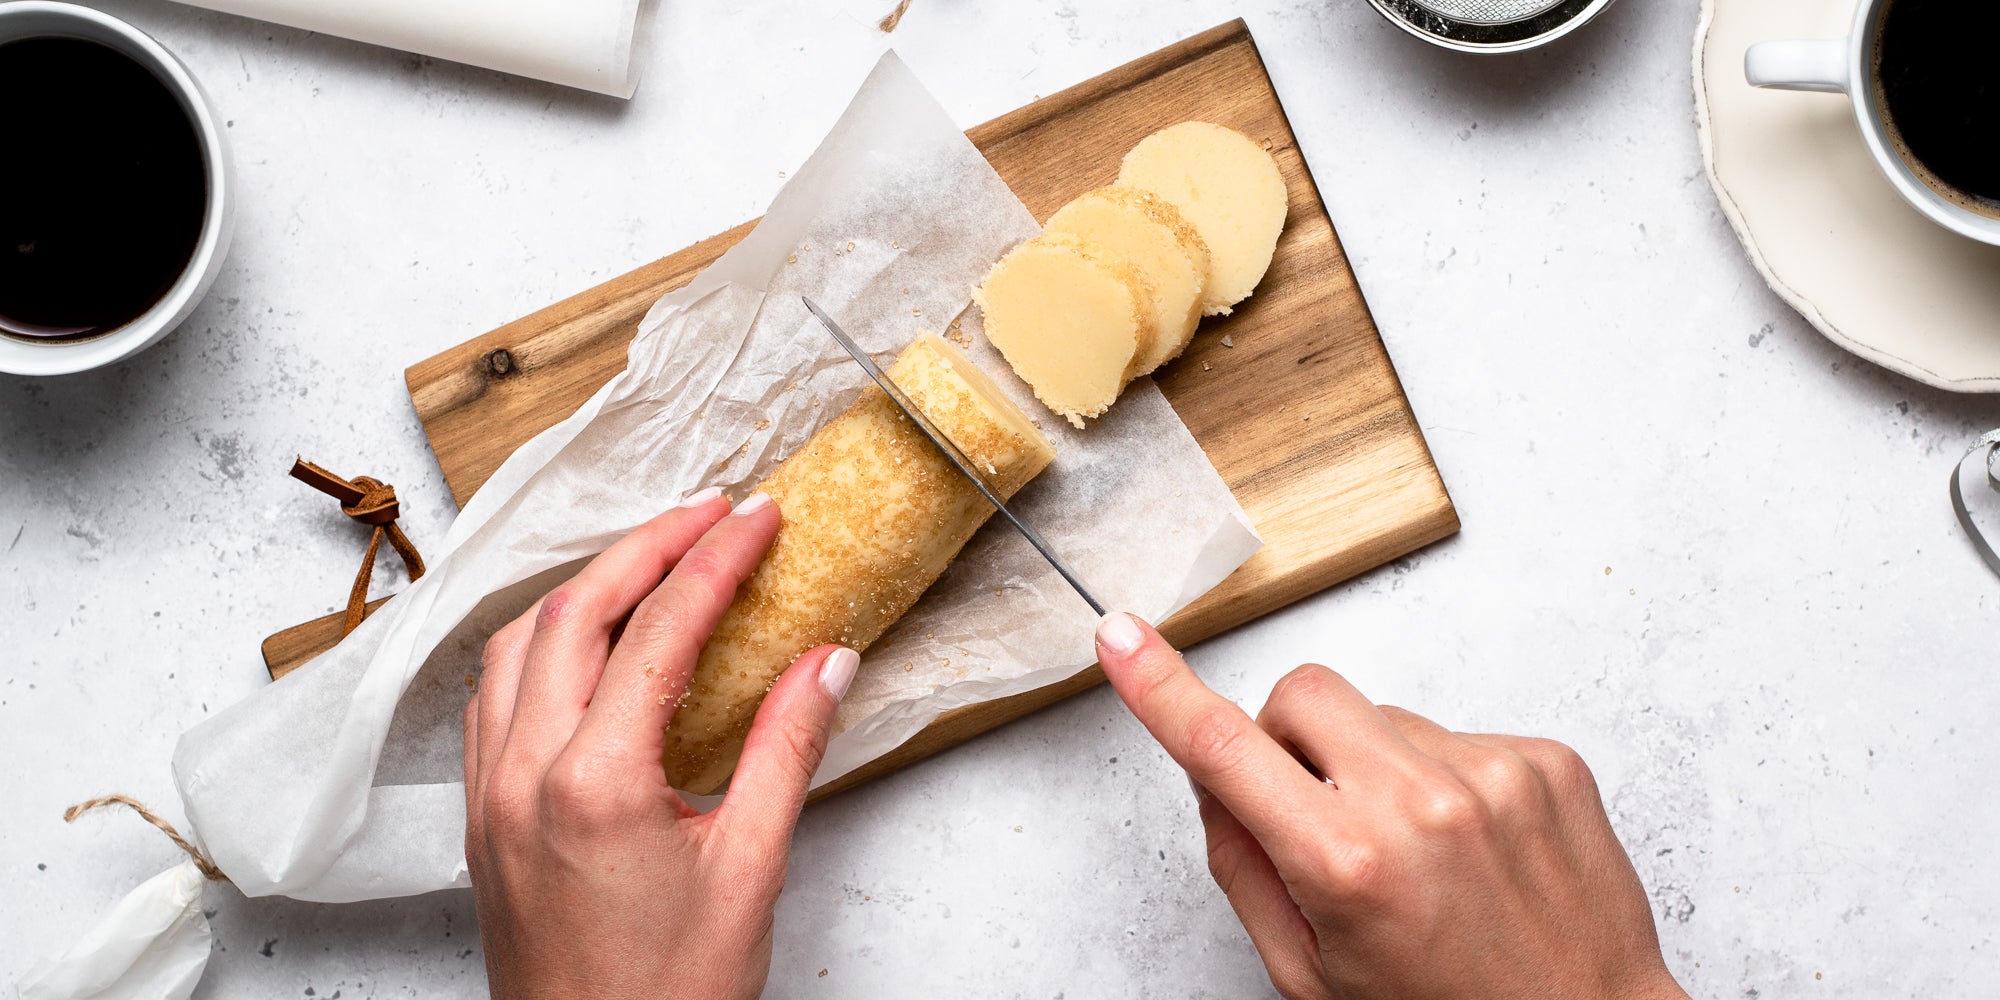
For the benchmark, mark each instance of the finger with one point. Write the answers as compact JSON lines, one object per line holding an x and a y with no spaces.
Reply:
{"x":1441,"y":744}
{"x":1563,"y":778}
{"x":786,"y":743}
{"x":1246,"y":875}
{"x":499,"y":681}
{"x":1563,"y":767}
{"x":1208,"y":735}
{"x":1511,"y":790}
{"x":648,"y":671}
{"x":1340,"y":731}
{"x":573,"y":626}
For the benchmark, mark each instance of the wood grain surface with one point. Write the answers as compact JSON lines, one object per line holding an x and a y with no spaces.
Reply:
{"x":289,"y":650}
{"x":1300,"y":411}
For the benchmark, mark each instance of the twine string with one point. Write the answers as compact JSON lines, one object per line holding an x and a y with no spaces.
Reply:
{"x":201,"y":861}
{"x":894,"y":17}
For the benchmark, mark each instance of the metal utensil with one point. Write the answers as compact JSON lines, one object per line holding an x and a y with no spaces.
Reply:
{"x":951,"y":452}
{"x":1489,"y":25}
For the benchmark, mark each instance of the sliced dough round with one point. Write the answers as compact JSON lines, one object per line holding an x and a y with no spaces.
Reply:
{"x":1225,"y":184}
{"x":1070,"y":318}
{"x":1147,"y":232}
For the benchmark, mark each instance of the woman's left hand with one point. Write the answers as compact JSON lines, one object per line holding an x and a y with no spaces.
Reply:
{"x":593,"y":877}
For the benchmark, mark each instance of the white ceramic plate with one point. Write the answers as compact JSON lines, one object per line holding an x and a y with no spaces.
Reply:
{"x":1820,"y":221}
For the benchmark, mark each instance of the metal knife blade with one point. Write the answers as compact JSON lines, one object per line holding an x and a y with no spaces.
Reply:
{"x":951,"y":453}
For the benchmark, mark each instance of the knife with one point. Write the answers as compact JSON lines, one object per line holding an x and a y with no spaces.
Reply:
{"x":951,"y":452}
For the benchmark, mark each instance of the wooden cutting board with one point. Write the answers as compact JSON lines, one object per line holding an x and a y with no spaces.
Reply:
{"x":1292,"y":396}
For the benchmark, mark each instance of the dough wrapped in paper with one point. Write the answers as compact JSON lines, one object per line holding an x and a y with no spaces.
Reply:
{"x":873,"y":514}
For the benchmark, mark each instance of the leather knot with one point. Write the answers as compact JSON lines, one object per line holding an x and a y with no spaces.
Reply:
{"x":377,"y":504}
{"x":372,"y":502}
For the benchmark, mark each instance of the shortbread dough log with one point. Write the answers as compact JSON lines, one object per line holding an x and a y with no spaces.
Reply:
{"x":1229,"y":187}
{"x":873,"y":514}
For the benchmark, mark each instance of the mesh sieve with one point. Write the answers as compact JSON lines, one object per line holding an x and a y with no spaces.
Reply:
{"x":1489,"y":25}
{"x":1489,"y":11}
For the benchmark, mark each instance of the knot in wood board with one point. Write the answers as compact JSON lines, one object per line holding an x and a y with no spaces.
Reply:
{"x":500,"y":363}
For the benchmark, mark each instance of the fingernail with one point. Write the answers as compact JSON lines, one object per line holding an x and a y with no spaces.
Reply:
{"x":1119,"y":633}
{"x":836,"y":672}
{"x":753,"y":502}
{"x":701,"y":497}
{"x":1195,"y":787}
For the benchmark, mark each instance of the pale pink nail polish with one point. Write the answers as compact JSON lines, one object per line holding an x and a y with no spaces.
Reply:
{"x":1119,"y":633}
{"x":701,"y":498}
{"x":836,"y":673}
{"x":753,"y":502}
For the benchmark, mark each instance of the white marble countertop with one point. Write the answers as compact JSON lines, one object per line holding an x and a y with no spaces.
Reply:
{"x":1701,"y":544}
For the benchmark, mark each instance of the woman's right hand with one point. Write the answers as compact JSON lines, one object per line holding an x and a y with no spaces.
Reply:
{"x":1370,"y":852}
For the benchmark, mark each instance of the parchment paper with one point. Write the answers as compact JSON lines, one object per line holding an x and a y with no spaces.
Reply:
{"x":341,"y":781}
{"x":577,"y":43}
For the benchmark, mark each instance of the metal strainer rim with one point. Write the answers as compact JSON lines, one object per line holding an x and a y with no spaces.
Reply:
{"x":1419,"y":18}
{"x":1488,"y":11}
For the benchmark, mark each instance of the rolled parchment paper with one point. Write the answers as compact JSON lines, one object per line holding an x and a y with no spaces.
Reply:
{"x":578,"y":43}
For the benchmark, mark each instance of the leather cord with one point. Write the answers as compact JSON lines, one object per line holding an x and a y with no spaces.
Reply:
{"x":372,"y":502}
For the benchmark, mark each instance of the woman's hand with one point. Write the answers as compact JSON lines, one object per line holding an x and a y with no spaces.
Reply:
{"x":1372,"y":853}
{"x":593,"y":877}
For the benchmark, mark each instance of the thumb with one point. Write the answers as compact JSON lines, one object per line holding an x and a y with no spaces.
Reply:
{"x":1285,"y":940}
{"x":783,"y":749}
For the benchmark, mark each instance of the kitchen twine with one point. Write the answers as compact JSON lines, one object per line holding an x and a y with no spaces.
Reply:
{"x":894,"y":17}
{"x":1991,"y":442}
{"x":201,"y":861}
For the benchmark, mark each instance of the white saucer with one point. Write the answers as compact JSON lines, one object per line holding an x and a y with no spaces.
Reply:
{"x":1822,"y":224}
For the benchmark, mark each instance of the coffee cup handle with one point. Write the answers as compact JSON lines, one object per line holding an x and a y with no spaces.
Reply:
{"x":1810,"y":64}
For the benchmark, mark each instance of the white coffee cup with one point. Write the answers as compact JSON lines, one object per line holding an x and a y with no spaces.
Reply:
{"x":26,"y":356}
{"x":1847,"y":66}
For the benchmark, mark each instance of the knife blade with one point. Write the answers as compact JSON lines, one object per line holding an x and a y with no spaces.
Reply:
{"x":951,"y":453}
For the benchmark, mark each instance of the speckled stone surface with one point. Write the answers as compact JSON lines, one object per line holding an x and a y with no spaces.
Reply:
{"x":1701,"y":544}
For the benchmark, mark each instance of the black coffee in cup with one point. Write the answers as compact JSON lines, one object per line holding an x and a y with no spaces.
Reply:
{"x":1938,"y":69}
{"x":103,"y":188}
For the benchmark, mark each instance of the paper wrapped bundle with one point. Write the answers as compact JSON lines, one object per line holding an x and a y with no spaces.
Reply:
{"x":342,"y":781}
